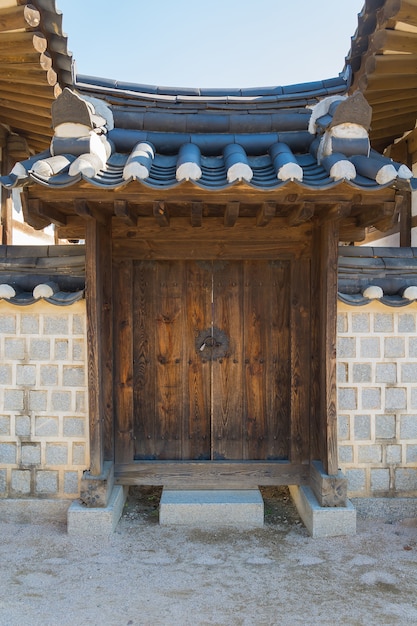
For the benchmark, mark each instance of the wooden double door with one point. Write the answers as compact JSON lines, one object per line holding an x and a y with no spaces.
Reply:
{"x":204,"y":360}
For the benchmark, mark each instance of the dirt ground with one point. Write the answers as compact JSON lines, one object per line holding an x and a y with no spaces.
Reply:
{"x":145,"y":574}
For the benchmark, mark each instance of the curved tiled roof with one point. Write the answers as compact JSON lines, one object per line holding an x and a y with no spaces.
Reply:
{"x":382,"y":62}
{"x":36,"y":66}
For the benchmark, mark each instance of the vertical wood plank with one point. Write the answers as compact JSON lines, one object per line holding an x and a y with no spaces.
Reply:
{"x":99,"y":340}
{"x":123,"y":361}
{"x":300,"y":360}
{"x":256,"y":308}
{"x":329,"y":233}
{"x":227,"y":378}
{"x":170,"y":323}
{"x":278,"y":360}
{"x":197,"y":411}
{"x":144,"y":279}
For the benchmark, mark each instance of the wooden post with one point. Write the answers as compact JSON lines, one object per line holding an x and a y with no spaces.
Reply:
{"x":99,"y":338}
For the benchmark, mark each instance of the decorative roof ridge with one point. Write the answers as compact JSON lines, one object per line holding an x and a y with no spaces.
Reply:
{"x":102,"y":87}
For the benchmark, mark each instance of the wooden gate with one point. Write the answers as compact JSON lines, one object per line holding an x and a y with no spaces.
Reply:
{"x":207,"y":361}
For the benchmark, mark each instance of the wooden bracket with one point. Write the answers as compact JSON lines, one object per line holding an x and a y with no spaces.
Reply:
{"x":196,"y":214}
{"x":122,"y":210}
{"x":231,"y":213}
{"x":301,"y":213}
{"x":266,"y":213}
{"x":161,"y":213}
{"x":31,"y":213}
{"x":83,"y":209}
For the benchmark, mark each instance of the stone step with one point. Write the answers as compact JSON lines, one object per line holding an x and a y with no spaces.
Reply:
{"x":215,"y":508}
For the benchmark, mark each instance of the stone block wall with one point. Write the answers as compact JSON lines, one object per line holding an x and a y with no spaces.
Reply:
{"x":377,"y":399}
{"x":43,"y":400}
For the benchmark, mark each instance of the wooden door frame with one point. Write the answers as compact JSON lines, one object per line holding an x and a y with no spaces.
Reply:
{"x":322,"y":425}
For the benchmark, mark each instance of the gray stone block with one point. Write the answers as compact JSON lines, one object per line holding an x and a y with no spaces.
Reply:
{"x":78,"y":325}
{"x":78,"y":454}
{"x":380,"y":480}
{"x":31,"y":453}
{"x":388,"y":509}
{"x":61,"y":400}
{"x":343,"y":426}
{"x":26,"y":375}
{"x":393,"y":453}
{"x":74,"y":427}
{"x":406,"y":323}
{"x":394,"y":347}
{"x":5,"y":374}
{"x":370,"y":347}
{"x":408,"y":372}
{"x":345,"y":454}
{"x":7,"y":324}
{"x":385,"y":426}
{"x":61,"y":350}
{"x":46,"y":481}
{"x":97,"y":522}
{"x":13,"y":400}
{"x":395,"y":399}
{"x":21,"y":482}
{"x":386,"y":373}
{"x":323,"y":521}
{"x":406,"y":479}
{"x":78,"y":350}
{"x":411,"y":453}
{"x":371,"y":398}
{"x":342,"y":373}
{"x":408,"y":427}
{"x":39,"y":349}
{"x":8,"y":453}
{"x":412,"y":347}
{"x":49,"y":375}
{"x":73,"y":376}
{"x":38,"y":400}
{"x":33,"y":510}
{"x":4,"y":425}
{"x":346,"y":347}
{"x":217,"y":508}
{"x":347,"y":398}
{"x":413,"y":398}
{"x":80,"y":401}
{"x":46,"y":426}
{"x":356,"y":480}
{"x":23,"y":426}
{"x":3,"y":481}
{"x":55,"y":325}
{"x":370,"y":454}
{"x":56,"y":454}
{"x":14,"y":349}
{"x":342,"y":323}
{"x":362,"y":426}
{"x":360,"y":323}
{"x":383,"y":323}
{"x":362,"y":373}
{"x":29,"y":324}
{"x":71,"y":483}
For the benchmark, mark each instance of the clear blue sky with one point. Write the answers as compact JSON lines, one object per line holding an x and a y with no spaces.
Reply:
{"x":210,"y":43}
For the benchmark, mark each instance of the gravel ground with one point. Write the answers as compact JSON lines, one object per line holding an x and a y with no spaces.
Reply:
{"x":145,"y":574}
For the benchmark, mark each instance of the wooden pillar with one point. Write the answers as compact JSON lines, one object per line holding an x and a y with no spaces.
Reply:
{"x":100,"y":340}
{"x":6,"y":196}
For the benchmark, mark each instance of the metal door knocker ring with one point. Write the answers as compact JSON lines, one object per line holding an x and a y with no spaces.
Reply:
{"x":211,"y":344}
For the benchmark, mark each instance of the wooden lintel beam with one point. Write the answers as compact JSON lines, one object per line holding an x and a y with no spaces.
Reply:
{"x":83,"y":209}
{"x":196,"y":214}
{"x":55,"y":216}
{"x":122,"y":210}
{"x":265,"y":214}
{"x":301,"y":213}
{"x":161,"y":214}
{"x":231,"y":213}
